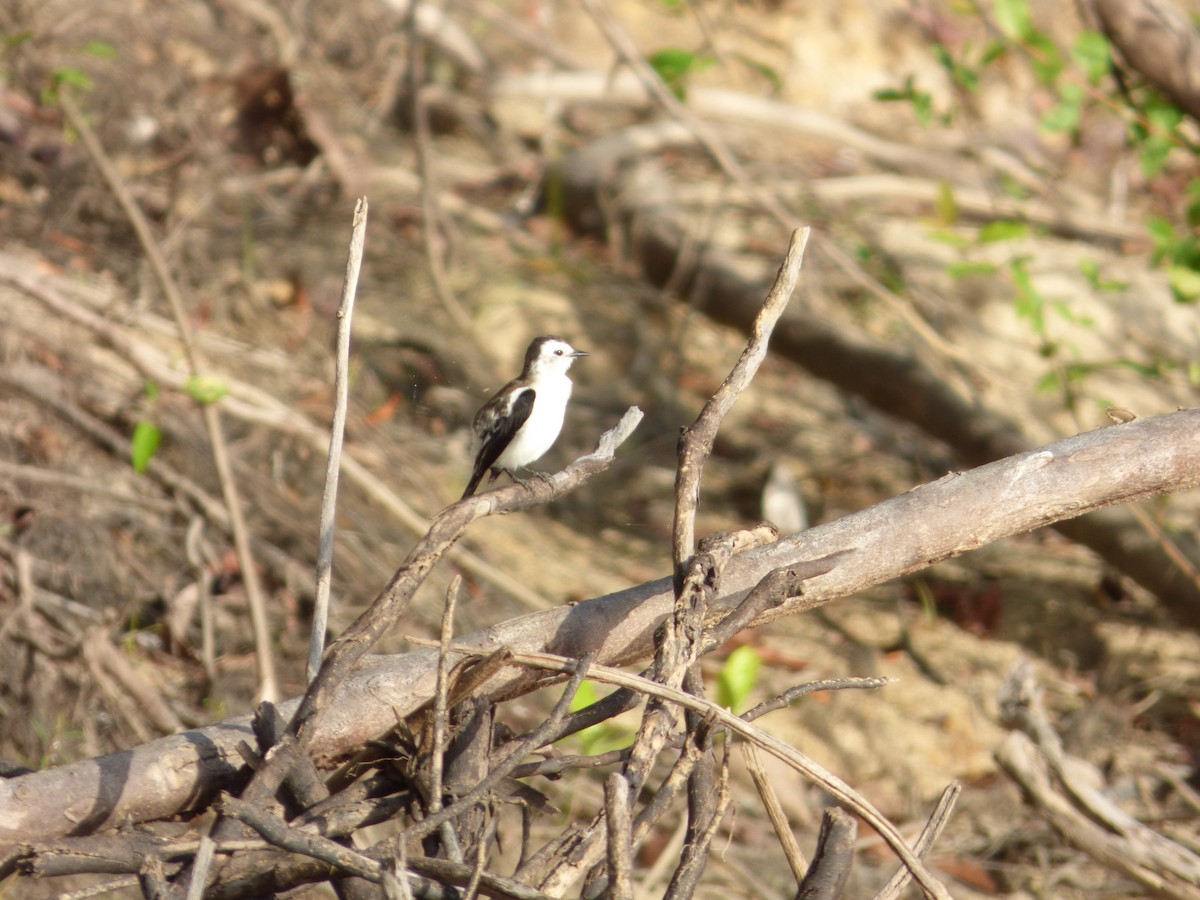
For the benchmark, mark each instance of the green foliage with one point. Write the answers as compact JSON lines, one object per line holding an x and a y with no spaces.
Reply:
{"x":73,"y":77}
{"x":143,"y":446}
{"x":1068,"y":113}
{"x":1179,"y":249}
{"x":1156,"y":133}
{"x":676,"y":66}
{"x":1003,"y":230}
{"x":100,"y":50}
{"x":205,"y":389}
{"x":1093,"y":55}
{"x":968,"y":269}
{"x":146,"y":435}
{"x":964,"y":75}
{"x":1090,"y":270}
{"x":921,"y":101}
{"x":1075,"y":86}
{"x":1014,"y":19}
{"x":946,"y":206}
{"x":1185,"y":283}
{"x":738,"y":678}
{"x":60,"y":78}
{"x":1029,"y":302}
{"x":11,"y":42}
{"x":1045,"y":59}
{"x":602,"y":737}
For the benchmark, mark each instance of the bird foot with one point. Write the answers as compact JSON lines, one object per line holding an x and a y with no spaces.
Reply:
{"x":527,"y":483}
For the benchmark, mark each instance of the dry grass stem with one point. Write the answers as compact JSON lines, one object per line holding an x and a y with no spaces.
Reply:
{"x":268,"y":681}
{"x":337,"y":433}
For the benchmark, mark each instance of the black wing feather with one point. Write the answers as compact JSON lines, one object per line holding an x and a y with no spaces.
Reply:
{"x":498,"y":437}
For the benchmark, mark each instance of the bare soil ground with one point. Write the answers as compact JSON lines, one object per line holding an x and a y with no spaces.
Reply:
{"x":244,"y":131}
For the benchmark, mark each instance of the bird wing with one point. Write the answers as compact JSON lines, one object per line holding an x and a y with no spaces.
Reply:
{"x":498,"y":434}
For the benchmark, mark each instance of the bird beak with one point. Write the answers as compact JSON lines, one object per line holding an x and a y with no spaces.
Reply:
{"x":580,"y":353}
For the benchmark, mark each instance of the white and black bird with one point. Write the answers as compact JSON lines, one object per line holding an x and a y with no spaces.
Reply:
{"x":518,"y":425}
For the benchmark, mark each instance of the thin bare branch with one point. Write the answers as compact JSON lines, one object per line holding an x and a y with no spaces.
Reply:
{"x":702,"y":827}
{"x":938,"y":820}
{"x":837,"y":788}
{"x":779,"y":821}
{"x":515,"y":753}
{"x":696,"y":442}
{"x":1036,"y":760}
{"x":1116,"y":464}
{"x":440,"y":715}
{"x":830,"y":684}
{"x":337,"y":433}
{"x":620,"y":846}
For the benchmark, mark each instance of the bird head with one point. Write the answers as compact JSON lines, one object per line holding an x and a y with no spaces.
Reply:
{"x":548,"y":355}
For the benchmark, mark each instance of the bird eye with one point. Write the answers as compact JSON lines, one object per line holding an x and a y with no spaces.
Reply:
{"x":558,"y":353}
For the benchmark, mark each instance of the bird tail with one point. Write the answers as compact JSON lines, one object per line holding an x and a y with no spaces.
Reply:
{"x":476,"y":477}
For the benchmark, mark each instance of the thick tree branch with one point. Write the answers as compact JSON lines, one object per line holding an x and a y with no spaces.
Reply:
{"x":598,"y":183}
{"x":948,"y":517}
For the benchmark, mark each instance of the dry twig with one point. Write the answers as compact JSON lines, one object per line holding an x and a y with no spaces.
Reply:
{"x":829,"y":782}
{"x":1034,"y":757}
{"x":337,"y":433}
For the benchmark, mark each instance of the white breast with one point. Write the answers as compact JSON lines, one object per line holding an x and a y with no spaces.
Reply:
{"x":541,"y":429}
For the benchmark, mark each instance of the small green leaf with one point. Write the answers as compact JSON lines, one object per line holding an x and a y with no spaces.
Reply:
{"x":1164,"y":115}
{"x":1066,"y":115}
{"x":922,"y":101}
{"x":967,"y":269}
{"x":14,"y":40}
{"x":1014,"y":18}
{"x":1068,"y":314}
{"x":1014,"y":188}
{"x":1091,"y":271}
{"x":146,"y":438}
{"x":1049,"y":383}
{"x":584,"y":697}
{"x":949,"y":238}
{"x":1091,"y":53}
{"x":1155,"y":151}
{"x":738,"y":678}
{"x":101,"y":50}
{"x":993,"y":51}
{"x":603,"y":736}
{"x":1162,"y":235}
{"x":1157,"y":136}
{"x":1029,"y":304}
{"x":963,"y":75}
{"x":64,"y":78}
{"x":1156,"y":369}
{"x":205,"y":389}
{"x":1185,"y":283}
{"x":1046,"y":61}
{"x":1074,"y":373}
{"x":946,"y":205}
{"x":674,"y":65}
{"x":1193,"y":203}
{"x":1003,"y":230}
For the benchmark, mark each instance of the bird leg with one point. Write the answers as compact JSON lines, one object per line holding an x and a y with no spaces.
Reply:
{"x":527,"y":483}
